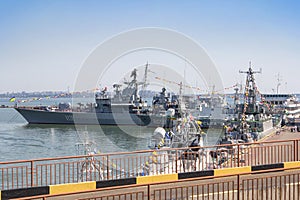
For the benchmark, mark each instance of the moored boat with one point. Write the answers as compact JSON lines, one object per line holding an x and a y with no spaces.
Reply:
{"x":292,"y":109}
{"x":253,"y":119}
{"x":126,"y":107}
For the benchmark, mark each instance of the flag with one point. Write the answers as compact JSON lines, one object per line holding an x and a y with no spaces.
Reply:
{"x":12,"y":99}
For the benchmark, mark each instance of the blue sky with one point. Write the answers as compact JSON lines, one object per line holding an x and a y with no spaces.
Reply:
{"x":44,"y":43}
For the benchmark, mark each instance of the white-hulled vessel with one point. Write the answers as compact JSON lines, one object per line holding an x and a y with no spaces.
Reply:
{"x":292,"y":109}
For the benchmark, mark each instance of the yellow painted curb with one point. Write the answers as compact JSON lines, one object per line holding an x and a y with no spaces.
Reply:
{"x":72,"y":187}
{"x":230,"y":171}
{"x":156,"y":178}
{"x":291,"y":164}
{"x":0,"y":195}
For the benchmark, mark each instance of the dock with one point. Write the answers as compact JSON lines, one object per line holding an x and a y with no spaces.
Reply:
{"x":285,"y":134}
{"x":267,"y":169}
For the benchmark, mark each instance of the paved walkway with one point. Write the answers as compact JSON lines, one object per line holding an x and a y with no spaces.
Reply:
{"x":269,"y":153}
{"x":285,"y":134}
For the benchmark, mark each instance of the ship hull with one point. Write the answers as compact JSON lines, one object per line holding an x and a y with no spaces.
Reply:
{"x":89,"y":118}
{"x":268,"y":128}
{"x":260,"y":129}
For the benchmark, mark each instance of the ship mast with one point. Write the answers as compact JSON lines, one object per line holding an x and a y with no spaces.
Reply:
{"x":249,"y":95}
{"x":145,"y":84}
{"x":135,"y":84}
{"x":236,"y":96}
{"x":278,"y":83}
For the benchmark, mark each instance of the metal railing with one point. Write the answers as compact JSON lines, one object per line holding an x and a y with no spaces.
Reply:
{"x":97,"y":167}
{"x":268,"y":184}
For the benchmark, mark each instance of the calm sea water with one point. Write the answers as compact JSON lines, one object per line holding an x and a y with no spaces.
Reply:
{"x":19,"y":141}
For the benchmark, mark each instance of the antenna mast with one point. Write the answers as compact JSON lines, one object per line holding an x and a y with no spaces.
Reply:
{"x":278,"y":82}
{"x":145,"y":84}
{"x":250,"y":94}
{"x":250,"y":87}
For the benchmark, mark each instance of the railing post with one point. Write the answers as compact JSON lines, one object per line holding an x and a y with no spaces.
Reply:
{"x":148,"y":191}
{"x":107,"y":166}
{"x":238,"y":157}
{"x":176,"y":160}
{"x":238,"y":187}
{"x":296,"y":150}
{"x":32,"y":173}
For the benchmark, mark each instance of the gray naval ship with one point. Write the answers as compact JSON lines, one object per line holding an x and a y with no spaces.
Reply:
{"x":126,"y":107}
{"x":253,"y":117}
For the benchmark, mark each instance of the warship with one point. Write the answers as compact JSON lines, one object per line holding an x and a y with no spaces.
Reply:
{"x":125,"y":107}
{"x":253,"y":116}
